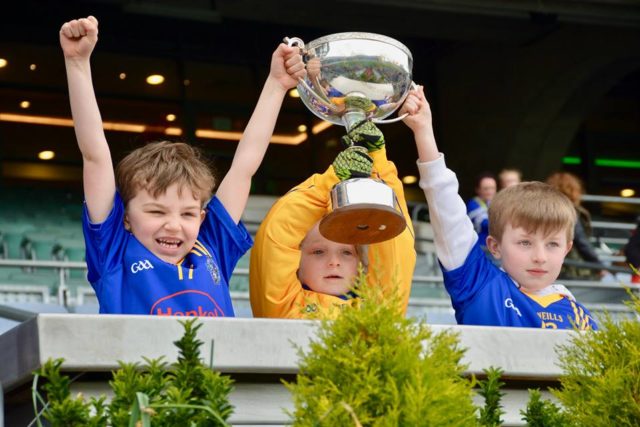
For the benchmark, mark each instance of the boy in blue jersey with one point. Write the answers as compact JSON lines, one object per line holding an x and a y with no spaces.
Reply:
{"x":530,"y":232}
{"x":154,"y":245}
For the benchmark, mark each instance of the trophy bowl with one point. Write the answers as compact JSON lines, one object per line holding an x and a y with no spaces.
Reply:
{"x":343,"y":67}
{"x":353,"y":77}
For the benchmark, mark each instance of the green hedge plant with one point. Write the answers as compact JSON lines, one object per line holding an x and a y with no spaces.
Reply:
{"x":491,"y":391}
{"x":373,"y":367}
{"x":186,"y":393}
{"x":543,"y":413}
{"x":600,"y":385}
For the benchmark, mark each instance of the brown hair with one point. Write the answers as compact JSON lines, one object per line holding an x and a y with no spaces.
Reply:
{"x":157,"y":165}
{"x":531,"y":205}
{"x":484,"y":175}
{"x":569,"y":184}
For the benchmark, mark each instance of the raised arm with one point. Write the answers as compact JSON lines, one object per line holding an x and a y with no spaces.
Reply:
{"x":77,"y":39}
{"x":420,"y":122}
{"x":453,"y":232}
{"x":286,"y":67}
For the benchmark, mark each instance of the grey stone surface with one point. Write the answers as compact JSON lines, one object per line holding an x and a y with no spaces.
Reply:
{"x":251,"y":349}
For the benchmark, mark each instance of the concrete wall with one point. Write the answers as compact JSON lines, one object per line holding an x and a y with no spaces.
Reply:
{"x":257,"y":353}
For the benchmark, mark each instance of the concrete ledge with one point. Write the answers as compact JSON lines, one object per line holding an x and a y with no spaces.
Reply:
{"x":97,"y":342}
{"x":249,"y":349}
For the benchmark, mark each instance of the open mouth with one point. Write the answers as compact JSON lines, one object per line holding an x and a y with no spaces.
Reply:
{"x":333,"y":276}
{"x":169,"y":243}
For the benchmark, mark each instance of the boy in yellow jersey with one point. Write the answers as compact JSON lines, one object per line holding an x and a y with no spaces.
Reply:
{"x":297,"y":273}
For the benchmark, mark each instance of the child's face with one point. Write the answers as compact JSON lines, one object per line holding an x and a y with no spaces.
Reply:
{"x":486,"y":189}
{"x":533,"y":260}
{"x":325,"y":266}
{"x":167,"y":225}
{"x":509,"y":178}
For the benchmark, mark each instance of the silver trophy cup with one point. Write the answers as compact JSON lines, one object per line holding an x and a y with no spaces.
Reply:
{"x":353,"y":77}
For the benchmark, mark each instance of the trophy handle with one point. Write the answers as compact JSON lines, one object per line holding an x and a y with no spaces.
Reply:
{"x":387,"y":121}
{"x":297,"y":41}
{"x":397,"y":119}
{"x":294,"y":41}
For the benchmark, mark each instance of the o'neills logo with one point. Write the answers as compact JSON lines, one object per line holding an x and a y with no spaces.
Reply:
{"x":199,"y":304}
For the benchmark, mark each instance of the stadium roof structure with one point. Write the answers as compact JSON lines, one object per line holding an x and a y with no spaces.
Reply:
{"x":214,"y":56}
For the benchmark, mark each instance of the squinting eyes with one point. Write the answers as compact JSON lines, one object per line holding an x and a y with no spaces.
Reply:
{"x":162,"y":213}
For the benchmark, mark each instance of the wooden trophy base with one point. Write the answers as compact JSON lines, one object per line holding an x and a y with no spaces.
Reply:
{"x":362,"y":224}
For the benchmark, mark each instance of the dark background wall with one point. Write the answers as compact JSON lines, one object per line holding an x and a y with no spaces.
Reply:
{"x":540,"y":86}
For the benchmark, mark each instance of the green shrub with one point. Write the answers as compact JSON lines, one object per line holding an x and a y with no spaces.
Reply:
{"x":490,"y":415}
{"x":185,"y":393}
{"x":373,"y":367}
{"x":543,"y":413}
{"x":62,"y":409}
{"x":600,"y":385}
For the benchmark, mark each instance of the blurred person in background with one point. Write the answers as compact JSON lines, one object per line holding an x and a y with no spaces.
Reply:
{"x":632,"y":253}
{"x":478,"y":207}
{"x":508,"y":177}
{"x":572,"y":187}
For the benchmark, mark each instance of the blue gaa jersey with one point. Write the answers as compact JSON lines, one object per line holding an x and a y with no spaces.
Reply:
{"x":130,"y":279}
{"x":483,"y":294}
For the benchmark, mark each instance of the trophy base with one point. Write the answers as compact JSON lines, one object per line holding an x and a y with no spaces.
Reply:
{"x":362,"y":224}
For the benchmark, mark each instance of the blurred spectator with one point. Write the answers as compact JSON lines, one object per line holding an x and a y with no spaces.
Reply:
{"x":509,"y":177}
{"x":478,"y":207}
{"x":632,"y":252}
{"x":572,"y":187}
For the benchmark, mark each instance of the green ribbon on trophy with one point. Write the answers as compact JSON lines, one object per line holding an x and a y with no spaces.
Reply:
{"x":354,"y":162}
{"x":366,"y":134}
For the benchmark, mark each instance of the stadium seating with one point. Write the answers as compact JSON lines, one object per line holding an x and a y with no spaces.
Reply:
{"x":45,"y":226}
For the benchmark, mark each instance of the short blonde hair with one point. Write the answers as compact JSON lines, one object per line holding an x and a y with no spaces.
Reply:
{"x":531,"y":205}
{"x":158,"y":165}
